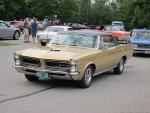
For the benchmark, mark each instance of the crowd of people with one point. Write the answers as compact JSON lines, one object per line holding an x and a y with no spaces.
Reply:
{"x":31,"y":26}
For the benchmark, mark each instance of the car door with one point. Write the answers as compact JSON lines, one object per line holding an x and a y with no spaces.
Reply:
{"x":108,"y":55}
{"x":1,"y":31}
{"x":7,"y":32}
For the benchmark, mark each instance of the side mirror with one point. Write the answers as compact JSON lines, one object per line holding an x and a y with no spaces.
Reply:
{"x":43,"y":42}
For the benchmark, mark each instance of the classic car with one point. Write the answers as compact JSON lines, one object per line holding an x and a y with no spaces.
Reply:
{"x":121,"y":34}
{"x":74,"y":55}
{"x":51,"y":32}
{"x":8,"y":31}
{"x":140,"y":41}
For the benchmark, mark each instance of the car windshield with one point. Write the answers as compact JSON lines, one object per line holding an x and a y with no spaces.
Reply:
{"x":114,"y":28}
{"x":54,"y":29}
{"x":140,"y":34}
{"x":81,"y":40}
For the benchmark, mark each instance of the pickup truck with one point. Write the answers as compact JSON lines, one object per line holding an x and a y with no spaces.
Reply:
{"x":140,"y":41}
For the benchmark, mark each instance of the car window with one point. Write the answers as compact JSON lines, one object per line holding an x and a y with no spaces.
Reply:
{"x":108,"y":40}
{"x":3,"y":25}
{"x":81,"y":40}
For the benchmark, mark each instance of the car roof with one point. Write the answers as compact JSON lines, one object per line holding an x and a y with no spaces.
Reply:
{"x":144,"y":30}
{"x":87,"y":32}
{"x":61,"y":26}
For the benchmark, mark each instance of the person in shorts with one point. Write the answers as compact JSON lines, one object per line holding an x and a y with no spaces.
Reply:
{"x":34,"y":29}
{"x":26,"y":31}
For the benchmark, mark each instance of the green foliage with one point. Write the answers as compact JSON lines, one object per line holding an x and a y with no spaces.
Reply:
{"x":134,"y":13}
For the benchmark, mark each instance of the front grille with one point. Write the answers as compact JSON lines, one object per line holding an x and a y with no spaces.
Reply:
{"x":58,"y":64}
{"x":27,"y":61}
{"x":144,"y":46}
{"x":54,"y":65}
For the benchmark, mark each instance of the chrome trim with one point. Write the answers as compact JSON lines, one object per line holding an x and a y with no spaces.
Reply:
{"x":105,"y":70}
{"x":68,"y":76}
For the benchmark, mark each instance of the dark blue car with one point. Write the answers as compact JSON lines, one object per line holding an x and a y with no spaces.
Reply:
{"x":140,"y":41}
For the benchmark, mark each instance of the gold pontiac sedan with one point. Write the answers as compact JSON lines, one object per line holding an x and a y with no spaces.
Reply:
{"x":74,"y":55}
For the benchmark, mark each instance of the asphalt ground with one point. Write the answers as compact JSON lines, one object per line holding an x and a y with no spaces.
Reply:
{"x":109,"y":93}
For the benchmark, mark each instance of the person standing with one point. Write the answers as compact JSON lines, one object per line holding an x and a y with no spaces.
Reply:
{"x":26,"y":31}
{"x":29,"y":28}
{"x":34,"y":29}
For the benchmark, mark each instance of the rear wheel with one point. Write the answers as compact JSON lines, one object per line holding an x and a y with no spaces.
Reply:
{"x":16,"y":35}
{"x":31,"y":78}
{"x":87,"y":79}
{"x":120,"y":67}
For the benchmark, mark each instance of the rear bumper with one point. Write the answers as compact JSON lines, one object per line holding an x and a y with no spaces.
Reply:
{"x":51,"y":74}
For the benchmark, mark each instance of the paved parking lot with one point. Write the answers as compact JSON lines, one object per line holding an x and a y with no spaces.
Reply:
{"x":109,"y":93}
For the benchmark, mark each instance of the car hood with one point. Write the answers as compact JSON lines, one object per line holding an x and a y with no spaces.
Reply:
{"x":145,"y":41}
{"x":56,"y":52}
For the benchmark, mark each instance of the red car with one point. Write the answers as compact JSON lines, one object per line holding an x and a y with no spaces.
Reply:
{"x":121,"y":34}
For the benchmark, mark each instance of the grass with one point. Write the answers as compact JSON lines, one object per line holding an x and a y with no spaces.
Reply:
{"x":6,"y":44}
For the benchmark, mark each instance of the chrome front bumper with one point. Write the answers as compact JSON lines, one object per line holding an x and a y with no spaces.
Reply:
{"x":52,"y":74}
{"x":141,"y":50}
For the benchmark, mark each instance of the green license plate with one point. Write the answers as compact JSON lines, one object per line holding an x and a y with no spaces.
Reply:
{"x":42,"y":75}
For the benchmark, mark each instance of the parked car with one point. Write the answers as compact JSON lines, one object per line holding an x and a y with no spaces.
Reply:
{"x":74,"y":55}
{"x":117,"y":23}
{"x":51,"y":32}
{"x":17,"y":24}
{"x":77,"y":26}
{"x":8,"y":31}
{"x":140,"y":41}
{"x":114,"y":28}
{"x":121,"y":35}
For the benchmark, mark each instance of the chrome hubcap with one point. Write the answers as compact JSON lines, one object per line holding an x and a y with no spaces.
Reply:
{"x":17,"y":35}
{"x":88,"y":76}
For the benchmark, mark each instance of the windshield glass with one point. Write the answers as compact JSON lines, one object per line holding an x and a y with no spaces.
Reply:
{"x":54,"y":29}
{"x":140,"y":34}
{"x":81,"y":40}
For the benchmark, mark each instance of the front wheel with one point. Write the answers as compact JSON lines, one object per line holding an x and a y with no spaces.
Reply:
{"x":16,"y":35}
{"x":120,"y":67}
{"x":87,"y":79}
{"x":31,"y":78}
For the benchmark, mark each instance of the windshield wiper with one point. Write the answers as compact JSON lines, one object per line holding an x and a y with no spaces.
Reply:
{"x":55,"y":43}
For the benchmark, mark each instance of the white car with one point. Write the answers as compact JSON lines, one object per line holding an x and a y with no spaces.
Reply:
{"x":51,"y":32}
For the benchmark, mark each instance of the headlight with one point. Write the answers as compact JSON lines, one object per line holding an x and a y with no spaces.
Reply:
{"x":17,"y":62}
{"x":73,"y":66}
{"x":17,"y":59}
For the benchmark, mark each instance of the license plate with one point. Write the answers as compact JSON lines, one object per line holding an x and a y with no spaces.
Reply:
{"x":147,"y":52}
{"x":42,"y":75}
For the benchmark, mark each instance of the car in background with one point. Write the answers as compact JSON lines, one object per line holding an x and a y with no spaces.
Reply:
{"x":140,"y":40}
{"x":114,"y":28}
{"x":117,"y":23}
{"x":77,"y":26}
{"x":17,"y":24}
{"x":121,"y":35}
{"x":51,"y":32}
{"x":74,"y":55}
{"x":8,"y":31}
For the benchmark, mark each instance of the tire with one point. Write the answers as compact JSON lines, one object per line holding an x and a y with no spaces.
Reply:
{"x":87,"y":79}
{"x":120,"y":67}
{"x":16,"y":35}
{"x":31,"y":78}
